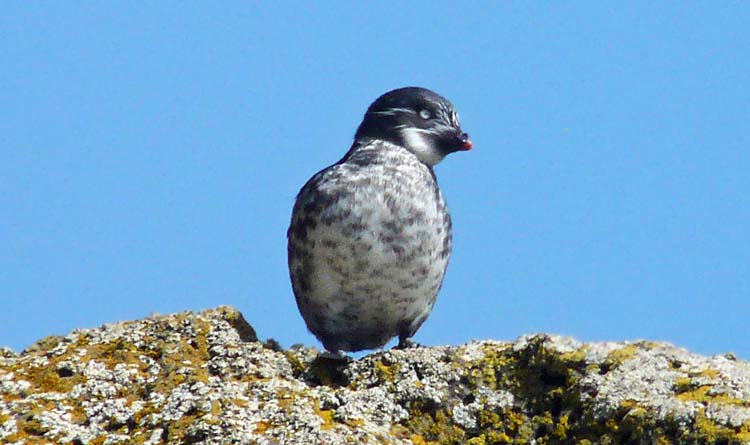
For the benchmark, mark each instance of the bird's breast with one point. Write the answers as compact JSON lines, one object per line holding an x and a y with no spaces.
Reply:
{"x":387,"y":224}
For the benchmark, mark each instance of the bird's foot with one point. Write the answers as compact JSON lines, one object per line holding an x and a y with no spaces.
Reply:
{"x":337,"y":356}
{"x":328,"y":368}
{"x":407,"y":343}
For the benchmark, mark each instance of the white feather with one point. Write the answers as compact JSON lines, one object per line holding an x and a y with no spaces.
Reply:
{"x":419,"y":144}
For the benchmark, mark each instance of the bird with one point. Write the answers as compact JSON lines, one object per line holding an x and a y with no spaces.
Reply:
{"x":370,"y":236}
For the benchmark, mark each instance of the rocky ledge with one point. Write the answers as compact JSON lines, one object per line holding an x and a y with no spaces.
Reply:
{"x":205,"y":378}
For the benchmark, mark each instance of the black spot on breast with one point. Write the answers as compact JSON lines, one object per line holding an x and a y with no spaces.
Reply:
{"x":361,"y":266}
{"x":300,"y":227}
{"x":353,"y":228}
{"x":446,"y":247}
{"x":361,"y":158}
{"x":392,"y":227}
{"x":391,"y":203}
{"x":407,"y":284}
{"x":303,"y":279}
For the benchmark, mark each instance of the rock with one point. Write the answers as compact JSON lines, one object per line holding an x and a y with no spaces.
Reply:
{"x":204,"y":378}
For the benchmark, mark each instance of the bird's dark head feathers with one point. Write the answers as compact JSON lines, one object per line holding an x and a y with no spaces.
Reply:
{"x":417,"y":119}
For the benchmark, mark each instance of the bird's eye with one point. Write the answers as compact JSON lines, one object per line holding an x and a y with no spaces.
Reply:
{"x":424,"y":114}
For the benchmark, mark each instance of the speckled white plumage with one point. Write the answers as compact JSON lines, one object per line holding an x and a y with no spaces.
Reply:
{"x":378,"y":253}
{"x":370,"y":236}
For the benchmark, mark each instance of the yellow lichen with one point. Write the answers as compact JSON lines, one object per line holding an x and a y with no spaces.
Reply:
{"x":384,"y":372}
{"x":743,"y":435}
{"x":99,"y":440}
{"x":711,"y":432}
{"x":261,"y":427}
{"x":561,"y":427}
{"x":686,"y":392}
{"x":325,"y":414}
{"x":298,"y":366}
{"x":435,"y":427}
{"x":479,"y":440}
{"x":577,"y":356}
{"x":216,"y":408}
{"x":355,"y":423}
{"x":683,"y":384}
{"x":504,"y":427}
{"x":487,"y":370}
{"x":242,"y":403}
{"x":285,"y":398}
{"x":619,"y":356}
{"x":43,"y":376}
{"x":399,"y":431}
{"x":710,"y":373}
{"x":497,"y":437}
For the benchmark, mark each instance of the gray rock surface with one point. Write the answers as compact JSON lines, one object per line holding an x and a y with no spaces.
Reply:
{"x":204,"y":378}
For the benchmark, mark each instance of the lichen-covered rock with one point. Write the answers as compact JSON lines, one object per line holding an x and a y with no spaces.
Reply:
{"x":204,"y":378}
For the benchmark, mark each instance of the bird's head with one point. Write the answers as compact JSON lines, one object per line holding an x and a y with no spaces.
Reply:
{"x":417,"y":119}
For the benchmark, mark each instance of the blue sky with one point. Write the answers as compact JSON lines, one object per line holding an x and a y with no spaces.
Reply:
{"x":150,"y":155}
